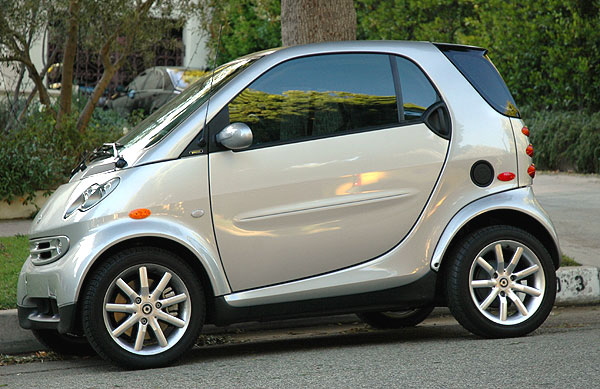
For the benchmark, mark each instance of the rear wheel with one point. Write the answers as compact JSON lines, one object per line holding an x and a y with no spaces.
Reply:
{"x":143,"y":308}
{"x":395,"y":319}
{"x":501,"y":282}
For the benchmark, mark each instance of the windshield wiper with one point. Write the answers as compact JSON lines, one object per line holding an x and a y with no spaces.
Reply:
{"x":105,"y":151}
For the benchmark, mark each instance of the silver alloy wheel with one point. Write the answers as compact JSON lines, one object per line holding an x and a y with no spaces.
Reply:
{"x":510,"y":292}
{"x":147,"y":309}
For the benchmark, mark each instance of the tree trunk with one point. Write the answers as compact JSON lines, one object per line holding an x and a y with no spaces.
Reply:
{"x":308,"y":21}
{"x":86,"y":115}
{"x":70,"y":51}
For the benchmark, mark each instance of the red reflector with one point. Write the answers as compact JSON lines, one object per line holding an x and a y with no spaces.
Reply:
{"x":506,"y":176}
{"x":525,"y":131}
{"x":140,"y":213}
{"x":529,"y":150}
{"x":531,"y":170}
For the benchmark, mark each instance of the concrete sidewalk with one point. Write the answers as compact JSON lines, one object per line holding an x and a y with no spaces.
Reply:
{"x":12,"y":227}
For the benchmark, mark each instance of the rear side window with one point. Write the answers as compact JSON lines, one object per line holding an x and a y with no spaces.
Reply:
{"x":474,"y":64}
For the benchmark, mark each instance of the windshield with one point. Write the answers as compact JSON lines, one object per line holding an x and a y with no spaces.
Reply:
{"x":156,"y":126}
{"x":183,"y":78}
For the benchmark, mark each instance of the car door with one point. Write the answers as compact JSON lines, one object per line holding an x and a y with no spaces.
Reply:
{"x":341,"y":166}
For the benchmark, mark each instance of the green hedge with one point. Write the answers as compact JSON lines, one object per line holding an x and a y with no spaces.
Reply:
{"x":36,"y":156}
{"x":567,"y":141}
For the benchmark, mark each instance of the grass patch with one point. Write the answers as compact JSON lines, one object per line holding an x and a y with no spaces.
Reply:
{"x":568,"y":261}
{"x":13,"y":253}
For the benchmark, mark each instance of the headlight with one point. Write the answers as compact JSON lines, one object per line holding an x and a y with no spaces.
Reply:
{"x":92,"y":196}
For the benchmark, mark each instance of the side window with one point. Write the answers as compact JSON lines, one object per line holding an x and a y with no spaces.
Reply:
{"x":417,"y":92}
{"x":318,"y":96}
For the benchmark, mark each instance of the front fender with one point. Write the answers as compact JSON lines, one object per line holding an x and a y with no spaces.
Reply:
{"x":521,"y":200}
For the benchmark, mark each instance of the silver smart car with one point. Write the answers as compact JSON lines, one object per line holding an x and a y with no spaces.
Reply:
{"x":379,"y":178}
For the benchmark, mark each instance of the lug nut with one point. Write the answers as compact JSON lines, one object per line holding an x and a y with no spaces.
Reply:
{"x":138,"y":300}
{"x":144,"y":321}
{"x":158,"y":305}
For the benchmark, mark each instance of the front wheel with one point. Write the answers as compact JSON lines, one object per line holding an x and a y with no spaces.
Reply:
{"x":501,"y":282}
{"x":143,"y":308}
{"x":395,"y":319}
{"x":65,"y":344}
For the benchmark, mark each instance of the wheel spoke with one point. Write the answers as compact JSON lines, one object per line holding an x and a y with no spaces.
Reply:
{"x":483,"y":283}
{"x":499,"y":258}
{"x":123,"y":308}
{"x":526,"y":273}
{"x":160,"y":336}
{"x":161,"y":286}
{"x":518,"y":303}
{"x":170,"y":319}
{"x":127,"y":289}
{"x":173,"y":300}
{"x":503,"y":308}
{"x":515,"y":260}
{"x":490,"y":298}
{"x":127,"y":324}
{"x":144,"y":288}
{"x":527,"y":289}
{"x":486,"y":266}
{"x":139,"y":339}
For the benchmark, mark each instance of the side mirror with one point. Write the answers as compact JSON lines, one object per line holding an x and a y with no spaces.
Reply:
{"x":235,"y":136}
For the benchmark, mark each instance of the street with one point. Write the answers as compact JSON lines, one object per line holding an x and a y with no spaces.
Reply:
{"x":573,"y":203}
{"x":438,"y":354}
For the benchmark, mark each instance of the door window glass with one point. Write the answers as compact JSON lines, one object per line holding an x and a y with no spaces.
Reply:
{"x":318,"y":96}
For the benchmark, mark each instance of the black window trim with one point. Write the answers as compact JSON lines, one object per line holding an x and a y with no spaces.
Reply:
{"x":213,"y":130}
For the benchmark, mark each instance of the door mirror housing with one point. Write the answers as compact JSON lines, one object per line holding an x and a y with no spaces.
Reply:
{"x":235,"y":136}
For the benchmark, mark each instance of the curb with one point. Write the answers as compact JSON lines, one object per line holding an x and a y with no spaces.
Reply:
{"x":578,"y":285}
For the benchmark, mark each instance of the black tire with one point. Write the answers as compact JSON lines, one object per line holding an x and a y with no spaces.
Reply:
{"x":130,"y":324}
{"x":395,"y":319}
{"x":65,"y":344}
{"x":499,"y":301}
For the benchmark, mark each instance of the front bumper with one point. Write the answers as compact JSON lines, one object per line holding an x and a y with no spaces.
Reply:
{"x":47,"y":315}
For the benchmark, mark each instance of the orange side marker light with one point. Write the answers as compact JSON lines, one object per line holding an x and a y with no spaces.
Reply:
{"x":140,"y":213}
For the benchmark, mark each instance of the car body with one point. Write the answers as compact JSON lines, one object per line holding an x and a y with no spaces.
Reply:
{"x":380,"y":178}
{"x":152,"y":88}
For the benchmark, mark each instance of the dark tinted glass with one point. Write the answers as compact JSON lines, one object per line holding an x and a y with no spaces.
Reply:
{"x":417,"y":92}
{"x":318,"y":96}
{"x":474,"y":64}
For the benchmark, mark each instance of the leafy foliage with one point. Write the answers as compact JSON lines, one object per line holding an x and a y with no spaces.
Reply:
{"x":565,"y":140}
{"x":238,"y":28}
{"x":36,"y":156}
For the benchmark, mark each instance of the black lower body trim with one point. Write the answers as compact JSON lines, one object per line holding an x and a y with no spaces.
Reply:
{"x":418,"y":294}
{"x":46,"y":315}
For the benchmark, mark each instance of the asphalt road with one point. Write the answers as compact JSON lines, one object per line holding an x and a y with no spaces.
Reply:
{"x":563,"y":353}
{"x":573,"y":203}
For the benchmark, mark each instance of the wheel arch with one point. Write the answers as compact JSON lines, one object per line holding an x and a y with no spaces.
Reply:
{"x":511,"y":218}
{"x":163,"y":243}
{"x":508,"y":217}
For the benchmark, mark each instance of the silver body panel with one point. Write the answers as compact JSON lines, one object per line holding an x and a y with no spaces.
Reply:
{"x":427,"y":184}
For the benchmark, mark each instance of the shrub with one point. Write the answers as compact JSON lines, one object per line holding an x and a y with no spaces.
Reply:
{"x":565,"y":140}
{"x":34,"y":155}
